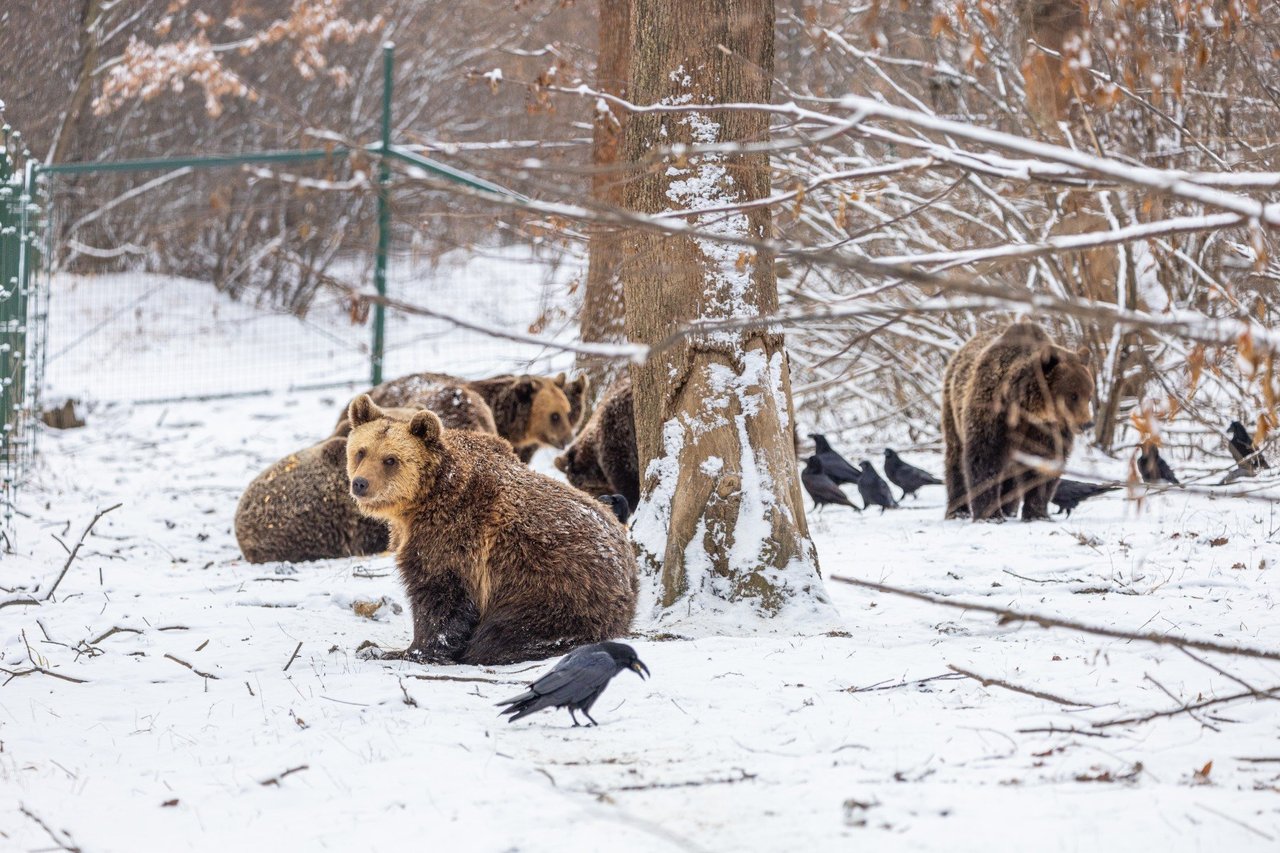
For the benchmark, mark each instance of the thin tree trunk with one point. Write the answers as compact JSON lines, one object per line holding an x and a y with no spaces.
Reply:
{"x":64,"y":140}
{"x":722,"y":518}
{"x":603,"y":307}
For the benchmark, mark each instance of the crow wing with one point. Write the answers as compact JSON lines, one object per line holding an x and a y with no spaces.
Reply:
{"x":837,"y":467}
{"x":824,"y":490}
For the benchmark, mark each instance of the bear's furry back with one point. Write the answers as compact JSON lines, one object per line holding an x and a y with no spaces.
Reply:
{"x":546,"y":567}
{"x":300,"y":509}
{"x":603,"y":458}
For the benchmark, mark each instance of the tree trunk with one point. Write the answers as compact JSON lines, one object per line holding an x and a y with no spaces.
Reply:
{"x":64,"y":139}
{"x":603,"y":308}
{"x":721,"y":517}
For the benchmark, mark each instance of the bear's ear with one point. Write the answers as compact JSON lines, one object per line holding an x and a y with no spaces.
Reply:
{"x":426,"y":426}
{"x":343,"y":429}
{"x":334,"y":451}
{"x":524,"y":389}
{"x":362,"y":410}
{"x":1086,"y":355}
{"x":560,"y":378}
{"x":581,"y":384}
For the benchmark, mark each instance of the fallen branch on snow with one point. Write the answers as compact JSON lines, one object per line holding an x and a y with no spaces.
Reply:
{"x":986,"y":681}
{"x":1008,"y":616}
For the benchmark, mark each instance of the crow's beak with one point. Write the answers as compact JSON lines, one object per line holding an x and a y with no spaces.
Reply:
{"x":639,"y":669}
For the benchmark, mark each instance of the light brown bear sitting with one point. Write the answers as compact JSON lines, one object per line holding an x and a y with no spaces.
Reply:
{"x":1009,"y":394}
{"x":528,"y":411}
{"x":499,"y":563}
{"x":301,"y":508}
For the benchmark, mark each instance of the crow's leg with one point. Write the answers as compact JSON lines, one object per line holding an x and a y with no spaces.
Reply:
{"x":573,"y":716}
{"x":586,"y":714}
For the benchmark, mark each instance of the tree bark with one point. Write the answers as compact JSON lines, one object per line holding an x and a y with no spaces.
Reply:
{"x":603,"y":307}
{"x":64,"y":142}
{"x":721,"y":517}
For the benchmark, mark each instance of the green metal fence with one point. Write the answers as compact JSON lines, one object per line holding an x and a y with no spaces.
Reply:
{"x":20,"y":339}
{"x":41,"y":203}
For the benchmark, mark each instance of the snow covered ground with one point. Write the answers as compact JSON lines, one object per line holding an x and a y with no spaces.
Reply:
{"x":192,"y":725}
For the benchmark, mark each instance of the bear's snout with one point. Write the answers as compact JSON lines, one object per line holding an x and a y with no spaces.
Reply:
{"x":359,"y":487}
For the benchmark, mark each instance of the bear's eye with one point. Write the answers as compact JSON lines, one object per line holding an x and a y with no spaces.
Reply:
{"x":1075,"y":398}
{"x":389,"y":461}
{"x":360,"y":455}
{"x":555,"y":417}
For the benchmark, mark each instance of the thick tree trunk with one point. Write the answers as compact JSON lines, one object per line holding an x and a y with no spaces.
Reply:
{"x":722,"y":518}
{"x":603,"y":308}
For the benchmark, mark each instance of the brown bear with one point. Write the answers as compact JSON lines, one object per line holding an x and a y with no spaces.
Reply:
{"x":576,"y":393}
{"x":457,"y":406}
{"x":603,"y":458}
{"x":301,"y":509}
{"x":528,"y":411}
{"x":1009,"y":394}
{"x":500,"y":564}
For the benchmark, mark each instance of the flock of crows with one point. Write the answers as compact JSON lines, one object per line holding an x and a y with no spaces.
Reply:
{"x":826,"y":470}
{"x":579,"y":678}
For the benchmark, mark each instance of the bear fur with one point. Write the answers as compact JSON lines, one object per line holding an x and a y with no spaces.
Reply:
{"x":457,"y":406}
{"x":500,"y":564}
{"x":1010,"y":392}
{"x":603,"y":460}
{"x":528,"y":411}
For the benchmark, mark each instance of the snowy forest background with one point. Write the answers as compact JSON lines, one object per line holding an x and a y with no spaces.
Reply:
{"x":511,"y":91}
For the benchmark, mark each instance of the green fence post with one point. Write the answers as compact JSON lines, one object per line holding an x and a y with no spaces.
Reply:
{"x":384,"y":218}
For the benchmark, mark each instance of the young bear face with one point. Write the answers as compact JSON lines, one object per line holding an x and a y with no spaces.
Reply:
{"x":550,"y":414}
{"x":1070,"y":387}
{"x":389,"y":462}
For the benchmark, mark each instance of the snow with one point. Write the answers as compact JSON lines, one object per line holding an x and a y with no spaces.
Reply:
{"x":126,"y":336}
{"x":862,"y":736}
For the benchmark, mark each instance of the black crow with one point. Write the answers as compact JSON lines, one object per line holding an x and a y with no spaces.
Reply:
{"x":909,"y":478}
{"x":874,"y":490}
{"x":822,"y":488}
{"x":1247,"y":455}
{"x":834,"y":465}
{"x":576,"y":682}
{"x":1153,"y":468}
{"x":1070,"y":493}
{"x":617,"y":503}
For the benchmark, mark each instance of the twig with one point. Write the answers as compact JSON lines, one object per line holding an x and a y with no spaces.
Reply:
{"x":743,"y":776}
{"x":1246,"y":685}
{"x":115,"y":630}
{"x":190,"y":667}
{"x":62,"y":845}
{"x":71,"y":555}
{"x":1051,"y":730}
{"x":462,"y":678}
{"x":880,"y":685}
{"x":986,"y":681}
{"x":297,"y":649}
{"x":15,"y":601}
{"x":1008,"y":616}
{"x":1186,"y":709}
{"x":275,"y":780}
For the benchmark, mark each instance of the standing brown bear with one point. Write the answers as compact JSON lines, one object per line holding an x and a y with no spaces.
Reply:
{"x":603,"y":459}
{"x":528,"y":411}
{"x":500,"y":563}
{"x":1008,"y":394}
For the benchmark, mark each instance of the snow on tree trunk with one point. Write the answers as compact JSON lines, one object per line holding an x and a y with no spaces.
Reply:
{"x":721,"y":522}
{"x":603,"y":311}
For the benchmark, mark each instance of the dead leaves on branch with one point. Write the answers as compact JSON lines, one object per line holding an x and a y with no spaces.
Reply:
{"x":145,"y":71}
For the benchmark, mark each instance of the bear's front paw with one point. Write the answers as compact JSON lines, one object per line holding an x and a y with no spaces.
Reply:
{"x":428,"y":655}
